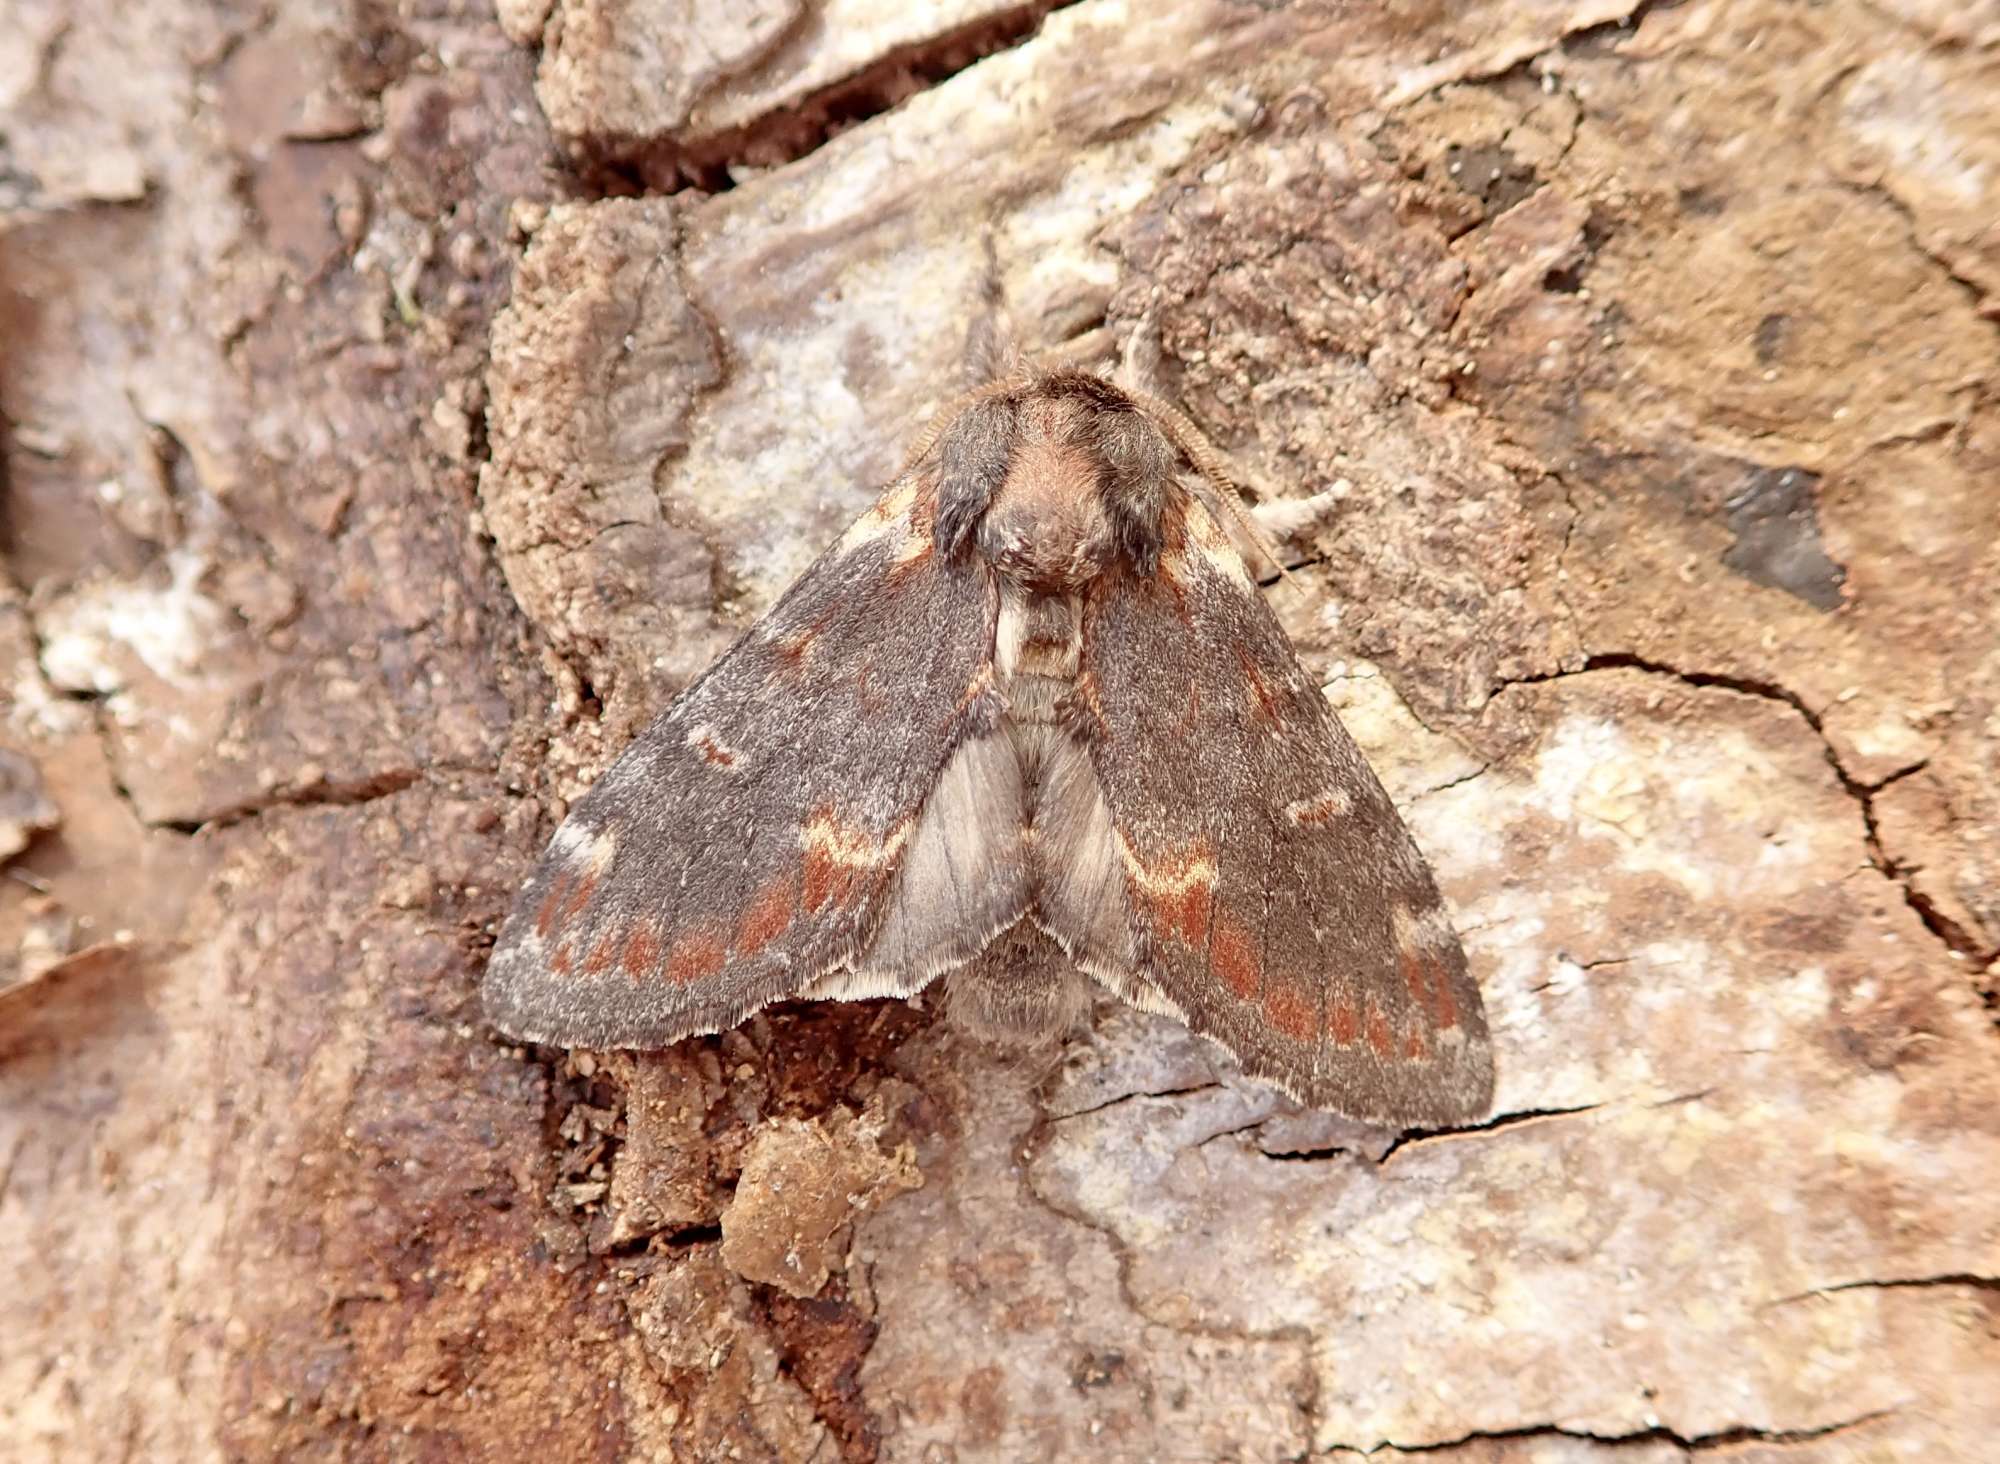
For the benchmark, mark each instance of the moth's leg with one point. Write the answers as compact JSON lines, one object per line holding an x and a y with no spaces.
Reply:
{"x":1022,"y":990}
{"x":1290,"y":520}
{"x":1139,"y":358}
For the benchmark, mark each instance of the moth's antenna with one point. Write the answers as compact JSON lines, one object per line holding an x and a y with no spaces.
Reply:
{"x":1139,"y":357}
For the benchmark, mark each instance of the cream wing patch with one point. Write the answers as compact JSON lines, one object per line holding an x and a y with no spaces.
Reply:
{"x":1333,"y":804}
{"x":883,"y":518}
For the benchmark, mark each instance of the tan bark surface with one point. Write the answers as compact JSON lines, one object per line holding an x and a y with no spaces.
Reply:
{"x":401,"y":403}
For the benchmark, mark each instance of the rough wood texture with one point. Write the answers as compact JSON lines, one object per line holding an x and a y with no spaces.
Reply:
{"x":369,"y":477}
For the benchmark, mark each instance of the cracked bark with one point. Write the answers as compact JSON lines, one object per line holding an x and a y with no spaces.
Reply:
{"x":1687,"y":1447}
{"x":1953,"y":937}
{"x":1628,"y":450}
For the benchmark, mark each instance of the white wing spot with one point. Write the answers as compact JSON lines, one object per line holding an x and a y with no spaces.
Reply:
{"x":585,"y":849}
{"x":1328,"y":806}
{"x":713,"y":750}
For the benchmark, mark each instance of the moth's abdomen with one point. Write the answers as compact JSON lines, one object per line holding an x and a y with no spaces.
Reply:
{"x":1076,"y":883}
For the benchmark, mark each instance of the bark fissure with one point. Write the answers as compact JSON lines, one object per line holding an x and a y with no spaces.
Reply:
{"x":1568,"y":40}
{"x":1034,"y":1144}
{"x":1125,"y":1098}
{"x":1955,"y":938}
{"x":1947,"y":1280}
{"x":95,"y":704}
{"x":329,"y":793}
{"x":1658,"y":1434}
{"x":1975,"y":292}
{"x":1412,"y":1138}
{"x":798,"y":129}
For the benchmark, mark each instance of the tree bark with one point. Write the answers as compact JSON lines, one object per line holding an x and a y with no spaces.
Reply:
{"x":402,"y":404}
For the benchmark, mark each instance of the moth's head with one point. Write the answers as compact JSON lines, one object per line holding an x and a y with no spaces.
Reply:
{"x":1053,"y":478}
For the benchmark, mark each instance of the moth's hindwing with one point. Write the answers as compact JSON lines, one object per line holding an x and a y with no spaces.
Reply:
{"x":1277,"y":901}
{"x":749,"y":842}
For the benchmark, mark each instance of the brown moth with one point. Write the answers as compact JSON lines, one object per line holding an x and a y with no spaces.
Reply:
{"x":1028,"y":721}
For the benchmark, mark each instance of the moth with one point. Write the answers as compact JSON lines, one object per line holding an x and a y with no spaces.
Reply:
{"x":1027,"y":724}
